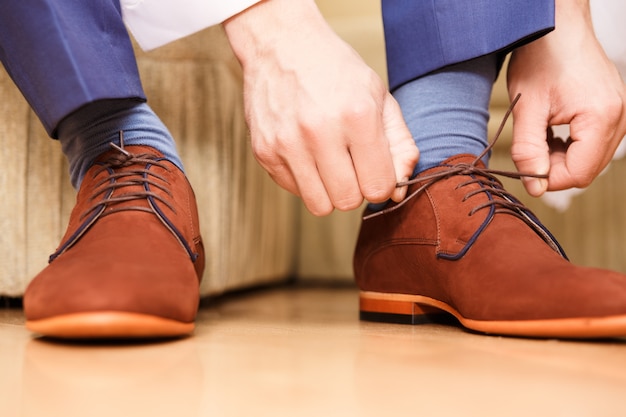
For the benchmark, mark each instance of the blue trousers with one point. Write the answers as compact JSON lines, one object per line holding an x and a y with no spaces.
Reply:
{"x":64,"y":54}
{"x":422,"y":36}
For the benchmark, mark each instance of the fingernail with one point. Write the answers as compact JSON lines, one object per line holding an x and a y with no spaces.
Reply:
{"x":400,"y":192}
{"x":537,"y":186}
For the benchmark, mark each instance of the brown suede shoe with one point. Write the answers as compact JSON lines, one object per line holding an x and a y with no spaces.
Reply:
{"x":131,"y":260}
{"x":463,"y":246}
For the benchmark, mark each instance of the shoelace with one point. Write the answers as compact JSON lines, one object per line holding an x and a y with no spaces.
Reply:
{"x":135,"y":174}
{"x":131,"y":171}
{"x":488,"y":183}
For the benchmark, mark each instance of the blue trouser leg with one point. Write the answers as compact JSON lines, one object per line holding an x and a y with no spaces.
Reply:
{"x":64,"y":54}
{"x":447,"y":111}
{"x":442,"y":59}
{"x":74,"y":62}
{"x":422,"y":36}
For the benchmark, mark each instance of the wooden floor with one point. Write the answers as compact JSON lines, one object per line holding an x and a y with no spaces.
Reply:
{"x":301,"y":351}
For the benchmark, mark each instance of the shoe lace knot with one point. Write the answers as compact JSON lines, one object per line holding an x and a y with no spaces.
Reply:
{"x":499,"y":200}
{"x":131,"y":183}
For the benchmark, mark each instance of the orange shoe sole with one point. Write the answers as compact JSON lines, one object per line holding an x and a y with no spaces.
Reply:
{"x":417,"y":309}
{"x":109,"y":325}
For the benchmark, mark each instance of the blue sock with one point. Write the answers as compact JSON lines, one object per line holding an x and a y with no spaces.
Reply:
{"x":447,"y":111}
{"x":86,"y":133}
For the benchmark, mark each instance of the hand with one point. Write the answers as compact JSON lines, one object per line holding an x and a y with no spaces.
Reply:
{"x":565,"y":78}
{"x":322,"y":123}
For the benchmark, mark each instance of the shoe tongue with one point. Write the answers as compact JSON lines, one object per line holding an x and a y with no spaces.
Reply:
{"x":132,"y":149}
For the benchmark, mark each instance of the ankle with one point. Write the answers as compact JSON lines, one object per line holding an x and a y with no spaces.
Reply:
{"x":88,"y":132}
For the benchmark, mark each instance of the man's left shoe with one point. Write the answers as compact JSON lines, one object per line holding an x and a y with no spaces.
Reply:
{"x":130,"y":263}
{"x":460,"y":245}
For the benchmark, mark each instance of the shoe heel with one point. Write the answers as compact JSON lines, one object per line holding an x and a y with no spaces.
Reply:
{"x":397,"y":308}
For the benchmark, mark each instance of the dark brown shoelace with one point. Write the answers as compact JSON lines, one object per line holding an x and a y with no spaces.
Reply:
{"x":488,"y":184}
{"x":130,"y":177}
{"x":135,"y":174}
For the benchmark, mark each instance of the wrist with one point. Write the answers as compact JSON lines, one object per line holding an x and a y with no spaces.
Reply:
{"x":573,"y":30}
{"x":572,"y":12}
{"x":258,"y":30}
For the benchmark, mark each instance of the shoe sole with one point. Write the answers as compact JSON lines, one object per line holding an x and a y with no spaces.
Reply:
{"x":109,"y":325}
{"x":417,"y":309}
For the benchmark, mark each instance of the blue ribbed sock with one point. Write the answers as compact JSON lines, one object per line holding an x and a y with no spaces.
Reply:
{"x":86,"y":133}
{"x":447,"y":111}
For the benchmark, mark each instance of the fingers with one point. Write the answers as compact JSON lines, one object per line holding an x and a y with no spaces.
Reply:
{"x":565,"y":78}
{"x":375,"y":153}
{"x":382,"y":153}
{"x":530,"y":151}
{"x":338,"y":171}
{"x":572,"y":162}
{"x":342,"y":172}
{"x":580,"y":159}
{"x":293,"y":169}
{"x":329,"y":133}
{"x":404,"y":152}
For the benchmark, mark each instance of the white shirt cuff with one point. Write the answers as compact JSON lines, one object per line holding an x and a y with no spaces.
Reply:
{"x":154,"y":23}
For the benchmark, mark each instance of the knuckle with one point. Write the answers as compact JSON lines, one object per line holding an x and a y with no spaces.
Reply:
{"x":582,"y":180}
{"x":524,"y":151}
{"x":311,"y":125}
{"x":613,"y":109}
{"x":349,"y":203}
{"x":605,"y":111}
{"x":262,"y":151}
{"x":319,"y":210}
{"x":271,"y":151}
{"x":267,"y":158}
{"x":378,"y":192}
{"x":359,"y":110}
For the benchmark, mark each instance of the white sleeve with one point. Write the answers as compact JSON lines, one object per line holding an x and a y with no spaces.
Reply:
{"x":156,"y":22}
{"x":608,"y":22}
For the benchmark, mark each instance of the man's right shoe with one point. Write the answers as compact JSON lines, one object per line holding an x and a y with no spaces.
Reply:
{"x":130,"y":263}
{"x":461,"y":245}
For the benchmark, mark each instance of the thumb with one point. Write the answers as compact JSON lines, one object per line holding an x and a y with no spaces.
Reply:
{"x":404,"y":152}
{"x":530,"y":151}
